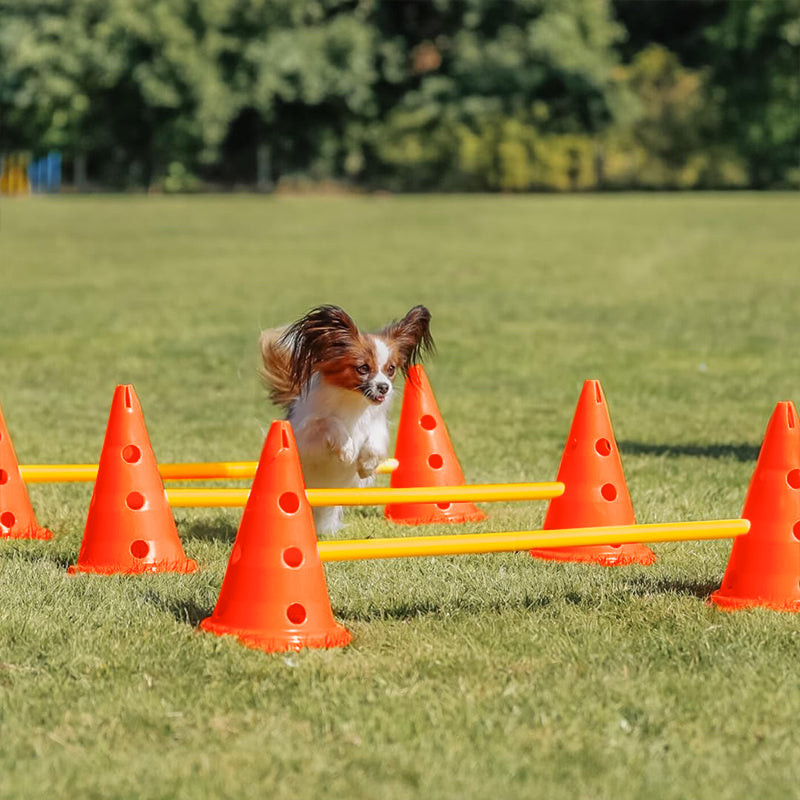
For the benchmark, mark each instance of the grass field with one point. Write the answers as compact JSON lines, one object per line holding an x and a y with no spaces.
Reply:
{"x":472,"y":677}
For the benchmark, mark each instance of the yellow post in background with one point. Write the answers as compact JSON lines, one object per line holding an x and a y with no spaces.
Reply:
{"x":14,"y":175}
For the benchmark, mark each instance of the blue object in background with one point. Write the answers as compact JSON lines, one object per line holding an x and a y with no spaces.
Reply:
{"x":44,"y":174}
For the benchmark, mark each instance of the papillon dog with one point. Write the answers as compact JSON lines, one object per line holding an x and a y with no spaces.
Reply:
{"x":336,"y":382}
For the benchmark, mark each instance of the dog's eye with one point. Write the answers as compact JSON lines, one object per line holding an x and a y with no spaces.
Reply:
{"x":362,"y":369}
{"x":390,"y":370}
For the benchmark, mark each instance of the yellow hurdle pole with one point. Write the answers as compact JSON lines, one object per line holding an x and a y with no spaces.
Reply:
{"x":376,"y":496}
{"x":218,"y":470}
{"x":506,"y":542}
{"x":58,"y":473}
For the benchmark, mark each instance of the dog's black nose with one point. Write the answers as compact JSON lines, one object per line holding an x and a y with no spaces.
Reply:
{"x":382,"y":388}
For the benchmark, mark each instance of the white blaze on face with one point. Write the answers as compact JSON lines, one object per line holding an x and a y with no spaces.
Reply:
{"x":381,"y":382}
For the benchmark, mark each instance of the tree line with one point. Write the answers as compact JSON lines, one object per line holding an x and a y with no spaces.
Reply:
{"x":406,"y":95}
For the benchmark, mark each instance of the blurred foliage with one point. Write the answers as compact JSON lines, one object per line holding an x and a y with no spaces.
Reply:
{"x":499,"y":95}
{"x":757,"y":85}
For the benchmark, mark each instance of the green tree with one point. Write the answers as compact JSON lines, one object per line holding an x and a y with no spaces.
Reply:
{"x":756,"y":71}
{"x":668,"y":130}
{"x":413,"y":94}
{"x":503,"y":74}
{"x":126,"y":79}
{"x":309,"y":71}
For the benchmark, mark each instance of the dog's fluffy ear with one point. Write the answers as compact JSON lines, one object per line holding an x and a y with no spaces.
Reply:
{"x":276,"y":373}
{"x":411,"y":336}
{"x":326,"y":332}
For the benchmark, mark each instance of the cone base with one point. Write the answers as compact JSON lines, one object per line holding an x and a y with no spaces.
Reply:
{"x":185,"y":566}
{"x":621,"y":556}
{"x":728,"y":603}
{"x":432,"y":513}
{"x":26,"y":532}
{"x":281,"y":641}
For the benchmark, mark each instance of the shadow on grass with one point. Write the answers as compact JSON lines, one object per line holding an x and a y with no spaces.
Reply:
{"x":39,"y":554}
{"x":183,"y":609}
{"x":417,"y":609}
{"x":743,"y":451}
{"x":638,"y":588}
{"x":690,"y":588}
{"x":209,"y":530}
{"x":192,"y":613}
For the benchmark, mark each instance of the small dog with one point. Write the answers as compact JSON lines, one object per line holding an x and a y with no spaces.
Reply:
{"x":336,"y":383}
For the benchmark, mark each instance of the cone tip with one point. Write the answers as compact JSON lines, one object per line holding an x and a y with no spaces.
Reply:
{"x":280,"y":436}
{"x":416,"y":377}
{"x":125,"y":396}
{"x":593,"y":389}
{"x":784,"y":421}
{"x":789,"y":412}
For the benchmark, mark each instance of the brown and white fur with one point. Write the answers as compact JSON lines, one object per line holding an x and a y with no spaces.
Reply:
{"x":336,"y":383}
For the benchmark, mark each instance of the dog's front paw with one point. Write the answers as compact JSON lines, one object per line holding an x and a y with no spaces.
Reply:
{"x":368,"y":462}
{"x":343,"y":448}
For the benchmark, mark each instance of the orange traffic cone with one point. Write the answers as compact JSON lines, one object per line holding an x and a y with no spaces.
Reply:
{"x":596,"y":492}
{"x":129,"y":527}
{"x":764,"y":566}
{"x":16,"y":515}
{"x":426,"y":458}
{"x":274,"y":596}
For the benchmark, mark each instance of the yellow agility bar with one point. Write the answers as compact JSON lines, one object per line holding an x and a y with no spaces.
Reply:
{"x":218,"y":470}
{"x":507,"y":542}
{"x":376,"y":496}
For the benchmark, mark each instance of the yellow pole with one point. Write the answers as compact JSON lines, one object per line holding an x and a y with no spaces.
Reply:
{"x":376,"y":496}
{"x":506,"y":542}
{"x":218,"y":470}
{"x":58,"y":473}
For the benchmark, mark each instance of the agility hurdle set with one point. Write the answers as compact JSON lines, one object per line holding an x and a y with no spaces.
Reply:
{"x":274,"y":596}
{"x":21,"y":175}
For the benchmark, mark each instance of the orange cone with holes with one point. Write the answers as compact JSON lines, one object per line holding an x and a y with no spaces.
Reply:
{"x":596,"y":493}
{"x":764,"y":566}
{"x":426,"y":457}
{"x":16,"y":515}
{"x":274,"y":596}
{"x":129,"y":527}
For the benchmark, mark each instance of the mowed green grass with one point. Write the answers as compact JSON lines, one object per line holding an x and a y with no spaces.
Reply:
{"x":470,"y":677}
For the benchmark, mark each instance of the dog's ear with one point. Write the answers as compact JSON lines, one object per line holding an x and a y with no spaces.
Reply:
{"x":411,"y":336}
{"x":324,"y":333}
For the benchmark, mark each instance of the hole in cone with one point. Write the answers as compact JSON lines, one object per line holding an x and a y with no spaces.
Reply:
{"x":7,"y":520}
{"x":296,"y":613}
{"x":603,"y":447}
{"x":293,"y":557}
{"x":3,"y":477}
{"x":289,"y":503}
{"x":435,"y":461}
{"x":131,"y":454}
{"x":796,"y":530}
{"x":427,"y":422}
{"x":608,"y":491}
{"x":284,"y":440}
{"x":135,"y":501}
{"x":128,"y":398}
{"x":793,"y":478}
{"x":444,"y":506}
{"x":598,"y":393}
{"x":139,"y":548}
